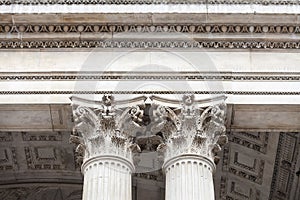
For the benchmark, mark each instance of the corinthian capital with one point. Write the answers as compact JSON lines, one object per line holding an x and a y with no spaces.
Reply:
{"x":194,"y":127}
{"x":106,"y":127}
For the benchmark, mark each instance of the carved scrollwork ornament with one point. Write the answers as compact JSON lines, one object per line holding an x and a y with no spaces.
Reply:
{"x":194,"y":130}
{"x":145,"y":2}
{"x":105,"y":129}
{"x":111,"y":129}
{"x":80,"y":147}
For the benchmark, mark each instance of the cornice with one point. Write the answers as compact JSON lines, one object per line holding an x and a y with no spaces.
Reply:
{"x":147,"y":2}
{"x":201,"y":35}
{"x":148,"y":44}
{"x":211,"y":28}
{"x":193,"y":76}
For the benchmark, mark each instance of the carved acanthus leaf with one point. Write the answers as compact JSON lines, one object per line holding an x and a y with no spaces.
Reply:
{"x":197,"y":130}
{"x":186,"y":129}
{"x":105,"y":129}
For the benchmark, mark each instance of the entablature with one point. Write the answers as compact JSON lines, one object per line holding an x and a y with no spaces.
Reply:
{"x":135,"y":6}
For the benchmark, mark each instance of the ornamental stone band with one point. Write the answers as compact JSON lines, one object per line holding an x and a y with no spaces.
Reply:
{"x":108,"y":132}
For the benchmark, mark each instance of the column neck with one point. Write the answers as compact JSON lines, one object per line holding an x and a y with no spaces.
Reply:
{"x":189,"y":158}
{"x":108,"y":158}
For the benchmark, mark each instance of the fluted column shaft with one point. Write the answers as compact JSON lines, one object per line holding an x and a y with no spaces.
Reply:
{"x":192,"y":139}
{"x":107,"y":178}
{"x":104,"y":142}
{"x":189,"y":177}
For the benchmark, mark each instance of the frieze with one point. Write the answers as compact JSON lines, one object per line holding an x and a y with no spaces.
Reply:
{"x":147,"y":44}
{"x":152,"y":28}
{"x":224,"y":76}
{"x":147,"y":2}
{"x":42,"y":136}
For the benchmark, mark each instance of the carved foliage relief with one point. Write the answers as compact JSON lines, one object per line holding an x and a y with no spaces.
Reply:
{"x":186,"y":128}
{"x":191,"y":129}
{"x":106,"y":129}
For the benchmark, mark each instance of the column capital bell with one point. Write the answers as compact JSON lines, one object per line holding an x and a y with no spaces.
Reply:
{"x":186,"y":126}
{"x":106,"y":127}
{"x":194,"y":128}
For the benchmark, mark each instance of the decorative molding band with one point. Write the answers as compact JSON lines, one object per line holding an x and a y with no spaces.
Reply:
{"x":228,"y":192}
{"x":247,"y":140}
{"x":149,"y":176}
{"x":193,"y":76}
{"x":69,"y":92}
{"x":152,"y":28}
{"x":126,"y":2}
{"x":144,"y":44}
{"x":241,"y":171}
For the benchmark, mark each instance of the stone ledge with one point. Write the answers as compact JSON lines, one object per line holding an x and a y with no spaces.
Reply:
{"x":147,"y":2}
{"x":148,"y":19}
{"x":153,"y":8}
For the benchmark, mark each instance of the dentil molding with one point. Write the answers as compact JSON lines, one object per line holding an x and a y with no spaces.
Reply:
{"x":69,"y":2}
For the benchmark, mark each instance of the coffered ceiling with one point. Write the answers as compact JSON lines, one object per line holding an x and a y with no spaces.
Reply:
{"x":259,"y":162}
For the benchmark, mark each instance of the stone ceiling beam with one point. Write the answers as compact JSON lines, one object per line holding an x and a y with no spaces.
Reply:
{"x":149,"y":18}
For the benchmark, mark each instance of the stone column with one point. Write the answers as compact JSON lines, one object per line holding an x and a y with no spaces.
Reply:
{"x":107,"y":177}
{"x":102,"y":134}
{"x":192,"y":136}
{"x":189,"y":177}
